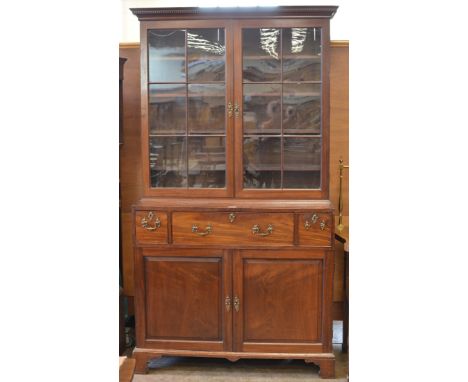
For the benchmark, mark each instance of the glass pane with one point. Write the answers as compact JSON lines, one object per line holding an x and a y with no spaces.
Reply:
{"x":207,"y":106}
{"x":168,"y":161}
{"x":302,"y":159}
{"x":261,"y":54}
{"x":166,"y":55}
{"x":301,"y":108}
{"x":262,"y":109}
{"x":206,"y":54}
{"x":207,"y":162}
{"x":301,"y":54}
{"x":262,"y":162}
{"x":167,"y":109}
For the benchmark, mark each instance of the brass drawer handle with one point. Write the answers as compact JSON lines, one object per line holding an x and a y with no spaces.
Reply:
{"x":207,"y":230}
{"x":232,"y":217}
{"x":236,"y":303}
{"x":145,"y":222}
{"x":256,"y":230}
{"x":227,"y":302}
{"x":230,"y":109}
{"x":313,"y":219}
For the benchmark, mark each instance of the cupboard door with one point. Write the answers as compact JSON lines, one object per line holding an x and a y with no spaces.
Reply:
{"x":185,"y":299}
{"x":281,"y":88}
{"x":280,"y":301}
{"x":187,"y":93}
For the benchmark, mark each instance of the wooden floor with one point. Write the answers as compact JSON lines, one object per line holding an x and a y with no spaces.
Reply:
{"x":188,"y":369}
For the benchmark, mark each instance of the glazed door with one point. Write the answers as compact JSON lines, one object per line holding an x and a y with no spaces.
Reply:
{"x":279,"y":301}
{"x":187,"y":92}
{"x":282,"y":124}
{"x":185,"y":299}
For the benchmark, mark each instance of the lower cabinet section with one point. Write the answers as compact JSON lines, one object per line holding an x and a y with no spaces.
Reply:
{"x":233,"y":303}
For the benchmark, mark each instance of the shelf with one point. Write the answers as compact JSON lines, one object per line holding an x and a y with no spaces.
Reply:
{"x":313,"y":58}
{"x":286,"y":82}
{"x":198,"y":134}
{"x":279,"y":135}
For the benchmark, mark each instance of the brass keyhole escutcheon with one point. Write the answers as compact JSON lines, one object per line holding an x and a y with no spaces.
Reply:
{"x":232,"y":217}
{"x":236,"y":110}
{"x":236,"y":303}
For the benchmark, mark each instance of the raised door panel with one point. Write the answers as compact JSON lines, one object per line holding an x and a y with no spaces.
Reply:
{"x":280,"y":301}
{"x":184,"y":299}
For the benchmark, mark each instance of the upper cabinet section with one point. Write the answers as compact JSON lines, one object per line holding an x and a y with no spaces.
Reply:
{"x":235,"y":101}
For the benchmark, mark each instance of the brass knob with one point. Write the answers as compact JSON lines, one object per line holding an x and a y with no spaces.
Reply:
{"x":145,"y":222}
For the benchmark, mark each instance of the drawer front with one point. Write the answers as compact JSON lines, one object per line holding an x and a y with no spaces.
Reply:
{"x":151,"y":227}
{"x":264,"y":229}
{"x":315,"y":229}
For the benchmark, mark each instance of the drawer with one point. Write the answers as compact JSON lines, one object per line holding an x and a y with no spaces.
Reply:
{"x":151,"y":227}
{"x":315,"y":229}
{"x":242,"y":228}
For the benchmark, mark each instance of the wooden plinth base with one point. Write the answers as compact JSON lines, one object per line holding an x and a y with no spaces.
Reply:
{"x":326,"y":361}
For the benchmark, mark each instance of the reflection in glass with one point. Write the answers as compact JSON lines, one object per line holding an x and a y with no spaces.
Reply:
{"x":206,"y":162}
{"x":262,"y":108}
{"x":205,"y":54}
{"x":301,"y":108}
{"x":166,"y":55}
{"x":261,"y":54}
{"x":302,"y":54}
{"x":167,"y":108}
{"x":206,"y":108}
{"x":302,"y":160}
{"x":262,"y":162}
{"x":168,"y":161}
